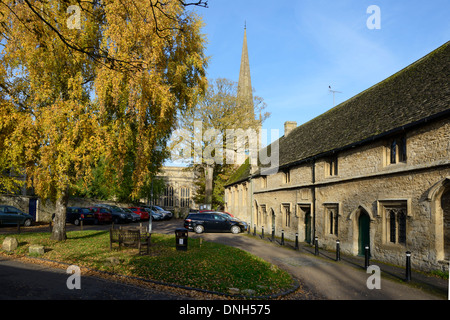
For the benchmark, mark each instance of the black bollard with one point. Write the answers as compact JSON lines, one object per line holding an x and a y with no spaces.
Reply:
{"x":273,"y":234}
{"x":282,"y":237}
{"x":248,"y":228}
{"x":296,"y":241}
{"x":316,"y":243}
{"x":254,"y":230}
{"x":338,"y":250}
{"x":262,"y":232}
{"x":366,"y":262}
{"x":408,"y":266}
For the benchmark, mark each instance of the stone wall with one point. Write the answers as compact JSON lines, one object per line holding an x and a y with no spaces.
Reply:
{"x":366,"y":182}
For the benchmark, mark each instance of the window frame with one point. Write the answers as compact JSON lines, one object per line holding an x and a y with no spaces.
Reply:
{"x":331,"y":219}
{"x":397,"y":150}
{"x":395,"y":215}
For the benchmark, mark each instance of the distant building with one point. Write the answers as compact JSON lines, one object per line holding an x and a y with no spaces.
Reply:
{"x":179,"y":189}
{"x":373,"y":171}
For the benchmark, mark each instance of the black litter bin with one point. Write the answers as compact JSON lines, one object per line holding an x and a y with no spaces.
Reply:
{"x":181,"y":237}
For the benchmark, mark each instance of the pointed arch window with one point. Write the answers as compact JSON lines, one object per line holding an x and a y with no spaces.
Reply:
{"x":397,"y":225}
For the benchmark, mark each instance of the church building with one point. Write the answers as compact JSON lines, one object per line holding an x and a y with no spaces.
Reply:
{"x":373,"y":171}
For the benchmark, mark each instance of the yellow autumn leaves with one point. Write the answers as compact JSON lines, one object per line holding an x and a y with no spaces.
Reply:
{"x":111,"y":89}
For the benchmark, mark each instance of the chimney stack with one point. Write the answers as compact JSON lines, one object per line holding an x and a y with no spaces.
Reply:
{"x":289,"y":126}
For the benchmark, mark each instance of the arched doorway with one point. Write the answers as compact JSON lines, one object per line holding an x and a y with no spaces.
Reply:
{"x":439,"y":197}
{"x":445,"y":205}
{"x":363,"y":231}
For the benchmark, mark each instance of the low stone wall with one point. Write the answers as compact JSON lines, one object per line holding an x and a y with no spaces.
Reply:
{"x":20,"y":202}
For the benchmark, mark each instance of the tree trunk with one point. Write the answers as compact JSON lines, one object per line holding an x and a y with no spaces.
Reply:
{"x":59,"y":223}
{"x":209,"y":173}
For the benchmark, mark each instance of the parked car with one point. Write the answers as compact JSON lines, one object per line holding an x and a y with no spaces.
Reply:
{"x":12,"y":215}
{"x":230,"y":216}
{"x":212,"y":222}
{"x":143,"y":214}
{"x":155,"y":215}
{"x":227,"y":213}
{"x":165,"y":213}
{"x":101,"y":215}
{"x":118,"y":214}
{"x":75,"y":215}
{"x":135,"y":217}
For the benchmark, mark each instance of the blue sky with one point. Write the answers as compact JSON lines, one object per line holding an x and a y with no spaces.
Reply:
{"x":297,"y":48}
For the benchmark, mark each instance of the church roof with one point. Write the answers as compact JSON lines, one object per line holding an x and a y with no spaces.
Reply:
{"x":418,"y":93}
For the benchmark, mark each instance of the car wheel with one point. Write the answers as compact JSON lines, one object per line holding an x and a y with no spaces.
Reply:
{"x":27,"y":223}
{"x":199,"y":229}
{"x":235,"y":229}
{"x":76,"y":222}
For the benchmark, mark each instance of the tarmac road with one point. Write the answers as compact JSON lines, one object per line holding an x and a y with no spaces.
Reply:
{"x":321,"y":277}
{"x":27,"y":281}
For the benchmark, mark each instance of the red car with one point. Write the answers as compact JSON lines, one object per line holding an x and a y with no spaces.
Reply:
{"x":141,"y":212}
{"x":102,"y":215}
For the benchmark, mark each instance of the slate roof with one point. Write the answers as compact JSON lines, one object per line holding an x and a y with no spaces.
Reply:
{"x":418,"y":93}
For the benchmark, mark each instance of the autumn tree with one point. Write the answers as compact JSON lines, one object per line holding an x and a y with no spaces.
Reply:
{"x":108,"y":90}
{"x":204,"y":132}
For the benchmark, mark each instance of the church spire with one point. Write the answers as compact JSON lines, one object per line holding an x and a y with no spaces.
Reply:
{"x":245,"y":90}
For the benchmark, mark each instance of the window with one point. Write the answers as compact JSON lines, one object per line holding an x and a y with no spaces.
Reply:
{"x":184,"y":197}
{"x":398,"y":150}
{"x":394,"y":215}
{"x":287,"y":176}
{"x":396,"y":220}
{"x":287,"y":214}
{"x":168,"y":197}
{"x":263,"y":182}
{"x":332,"y":166}
{"x":332,"y":218}
{"x":219,"y":218}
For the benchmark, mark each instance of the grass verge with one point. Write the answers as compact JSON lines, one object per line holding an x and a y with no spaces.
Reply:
{"x":210,"y":266}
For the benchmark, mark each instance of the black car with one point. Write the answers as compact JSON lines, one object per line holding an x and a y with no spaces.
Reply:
{"x":77,"y":214}
{"x":212,"y":222}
